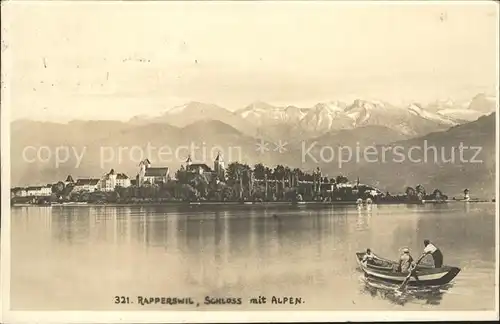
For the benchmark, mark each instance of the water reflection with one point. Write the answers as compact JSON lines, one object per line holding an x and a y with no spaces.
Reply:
{"x":307,"y":251}
{"x":364,"y":218}
{"x":429,"y":295}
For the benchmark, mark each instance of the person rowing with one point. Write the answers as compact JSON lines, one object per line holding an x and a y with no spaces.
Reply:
{"x":405,"y":261}
{"x":408,"y":265}
{"x":437,"y":256}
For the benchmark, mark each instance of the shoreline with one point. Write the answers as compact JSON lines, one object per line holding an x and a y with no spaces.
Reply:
{"x":264,"y":204}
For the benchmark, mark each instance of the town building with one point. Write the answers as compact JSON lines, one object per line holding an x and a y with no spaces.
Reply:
{"x":122,"y":180}
{"x":108,"y":181}
{"x":218,"y":171}
{"x":18,"y":192}
{"x":69,"y":181}
{"x":33,"y":191}
{"x":46,"y":190}
{"x":111,"y":180}
{"x":89,"y":185}
{"x":151,"y":175}
{"x":39,"y":191}
{"x":156,"y":175}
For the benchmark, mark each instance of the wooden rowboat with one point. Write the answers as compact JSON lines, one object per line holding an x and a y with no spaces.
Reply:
{"x":385,"y":270}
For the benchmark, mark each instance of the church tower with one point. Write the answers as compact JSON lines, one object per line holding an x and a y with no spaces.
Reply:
{"x":188,"y":163}
{"x":319,"y":179}
{"x":219,"y":166}
{"x":112,"y":178}
{"x":142,"y":171}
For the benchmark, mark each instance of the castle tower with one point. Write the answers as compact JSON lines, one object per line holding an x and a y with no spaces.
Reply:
{"x":319,"y":179}
{"x":69,"y":180}
{"x":219,"y":165}
{"x":112,"y":178}
{"x":142,"y":171}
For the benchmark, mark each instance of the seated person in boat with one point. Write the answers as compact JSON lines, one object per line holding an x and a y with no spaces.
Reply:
{"x":369,"y":257}
{"x":431,"y":249}
{"x":405,"y":261}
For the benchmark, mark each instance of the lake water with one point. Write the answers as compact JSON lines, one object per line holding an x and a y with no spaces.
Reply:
{"x":76,"y":258}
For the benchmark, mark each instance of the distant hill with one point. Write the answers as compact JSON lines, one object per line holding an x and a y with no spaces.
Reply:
{"x":478,"y":106}
{"x":181,"y":116}
{"x":451,"y":177}
{"x":483,"y":103}
{"x":120,"y":148}
{"x":359,"y":137}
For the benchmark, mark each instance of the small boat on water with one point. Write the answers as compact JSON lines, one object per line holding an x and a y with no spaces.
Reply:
{"x":383,"y":270}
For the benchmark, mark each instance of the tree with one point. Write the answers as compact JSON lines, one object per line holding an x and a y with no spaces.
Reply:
{"x":53,"y":197}
{"x":341,"y":179}
{"x":67,"y":191}
{"x":308,"y":177}
{"x":279,"y":172}
{"x":232,"y":171}
{"x":290,"y":194}
{"x":124,"y":194}
{"x":188,"y":192}
{"x":259,"y":193}
{"x":259,"y":171}
{"x":113,"y":196}
{"x":201,"y":184}
{"x":298,"y":172}
{"x":181,"y":175}
{"x":58,"y":188}
{"x":437,"y":194}
{"x":420,"y":190}
{"x":227,"y":193}
{"x":410,"y":192}
{"x":287,"y":171}
{"x":84,"y":196}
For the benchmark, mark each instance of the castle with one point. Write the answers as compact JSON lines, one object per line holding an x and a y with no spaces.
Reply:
{"x":151,"y":175}
{"x":218,"y":171}
{"x":156,"y":175}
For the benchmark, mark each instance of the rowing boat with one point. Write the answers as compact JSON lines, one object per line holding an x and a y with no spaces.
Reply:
{"x":385,"y":270}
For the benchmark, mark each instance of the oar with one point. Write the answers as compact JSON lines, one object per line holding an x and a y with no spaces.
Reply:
{"x":412,"y":268}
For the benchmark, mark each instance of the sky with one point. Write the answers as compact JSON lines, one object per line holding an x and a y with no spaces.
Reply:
{"x":117,"y":60}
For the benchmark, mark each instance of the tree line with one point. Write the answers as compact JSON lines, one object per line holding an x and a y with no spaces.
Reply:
{"x":240,"y":182}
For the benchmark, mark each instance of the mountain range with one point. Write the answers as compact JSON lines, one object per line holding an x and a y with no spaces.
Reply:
{"x":436,"y":162}
{"x":333,"y":124}
{"x":261,"y":119}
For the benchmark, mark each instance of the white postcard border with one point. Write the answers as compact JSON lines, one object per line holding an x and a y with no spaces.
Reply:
{"x":8,"y":316}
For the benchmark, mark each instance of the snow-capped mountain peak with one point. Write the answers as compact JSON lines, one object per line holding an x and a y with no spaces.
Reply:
{"x":361,"y":110}
{"x":330,"y":106}
{"x":417,"y":110}
{"x":177,"y":109}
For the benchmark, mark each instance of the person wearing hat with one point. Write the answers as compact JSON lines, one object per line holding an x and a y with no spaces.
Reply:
{"x":431,"y":249}
{"x":405,"y":261}
{"x":369,"y":257}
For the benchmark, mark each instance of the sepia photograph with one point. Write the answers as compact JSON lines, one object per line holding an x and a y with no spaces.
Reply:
{"x":249,"y":161}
